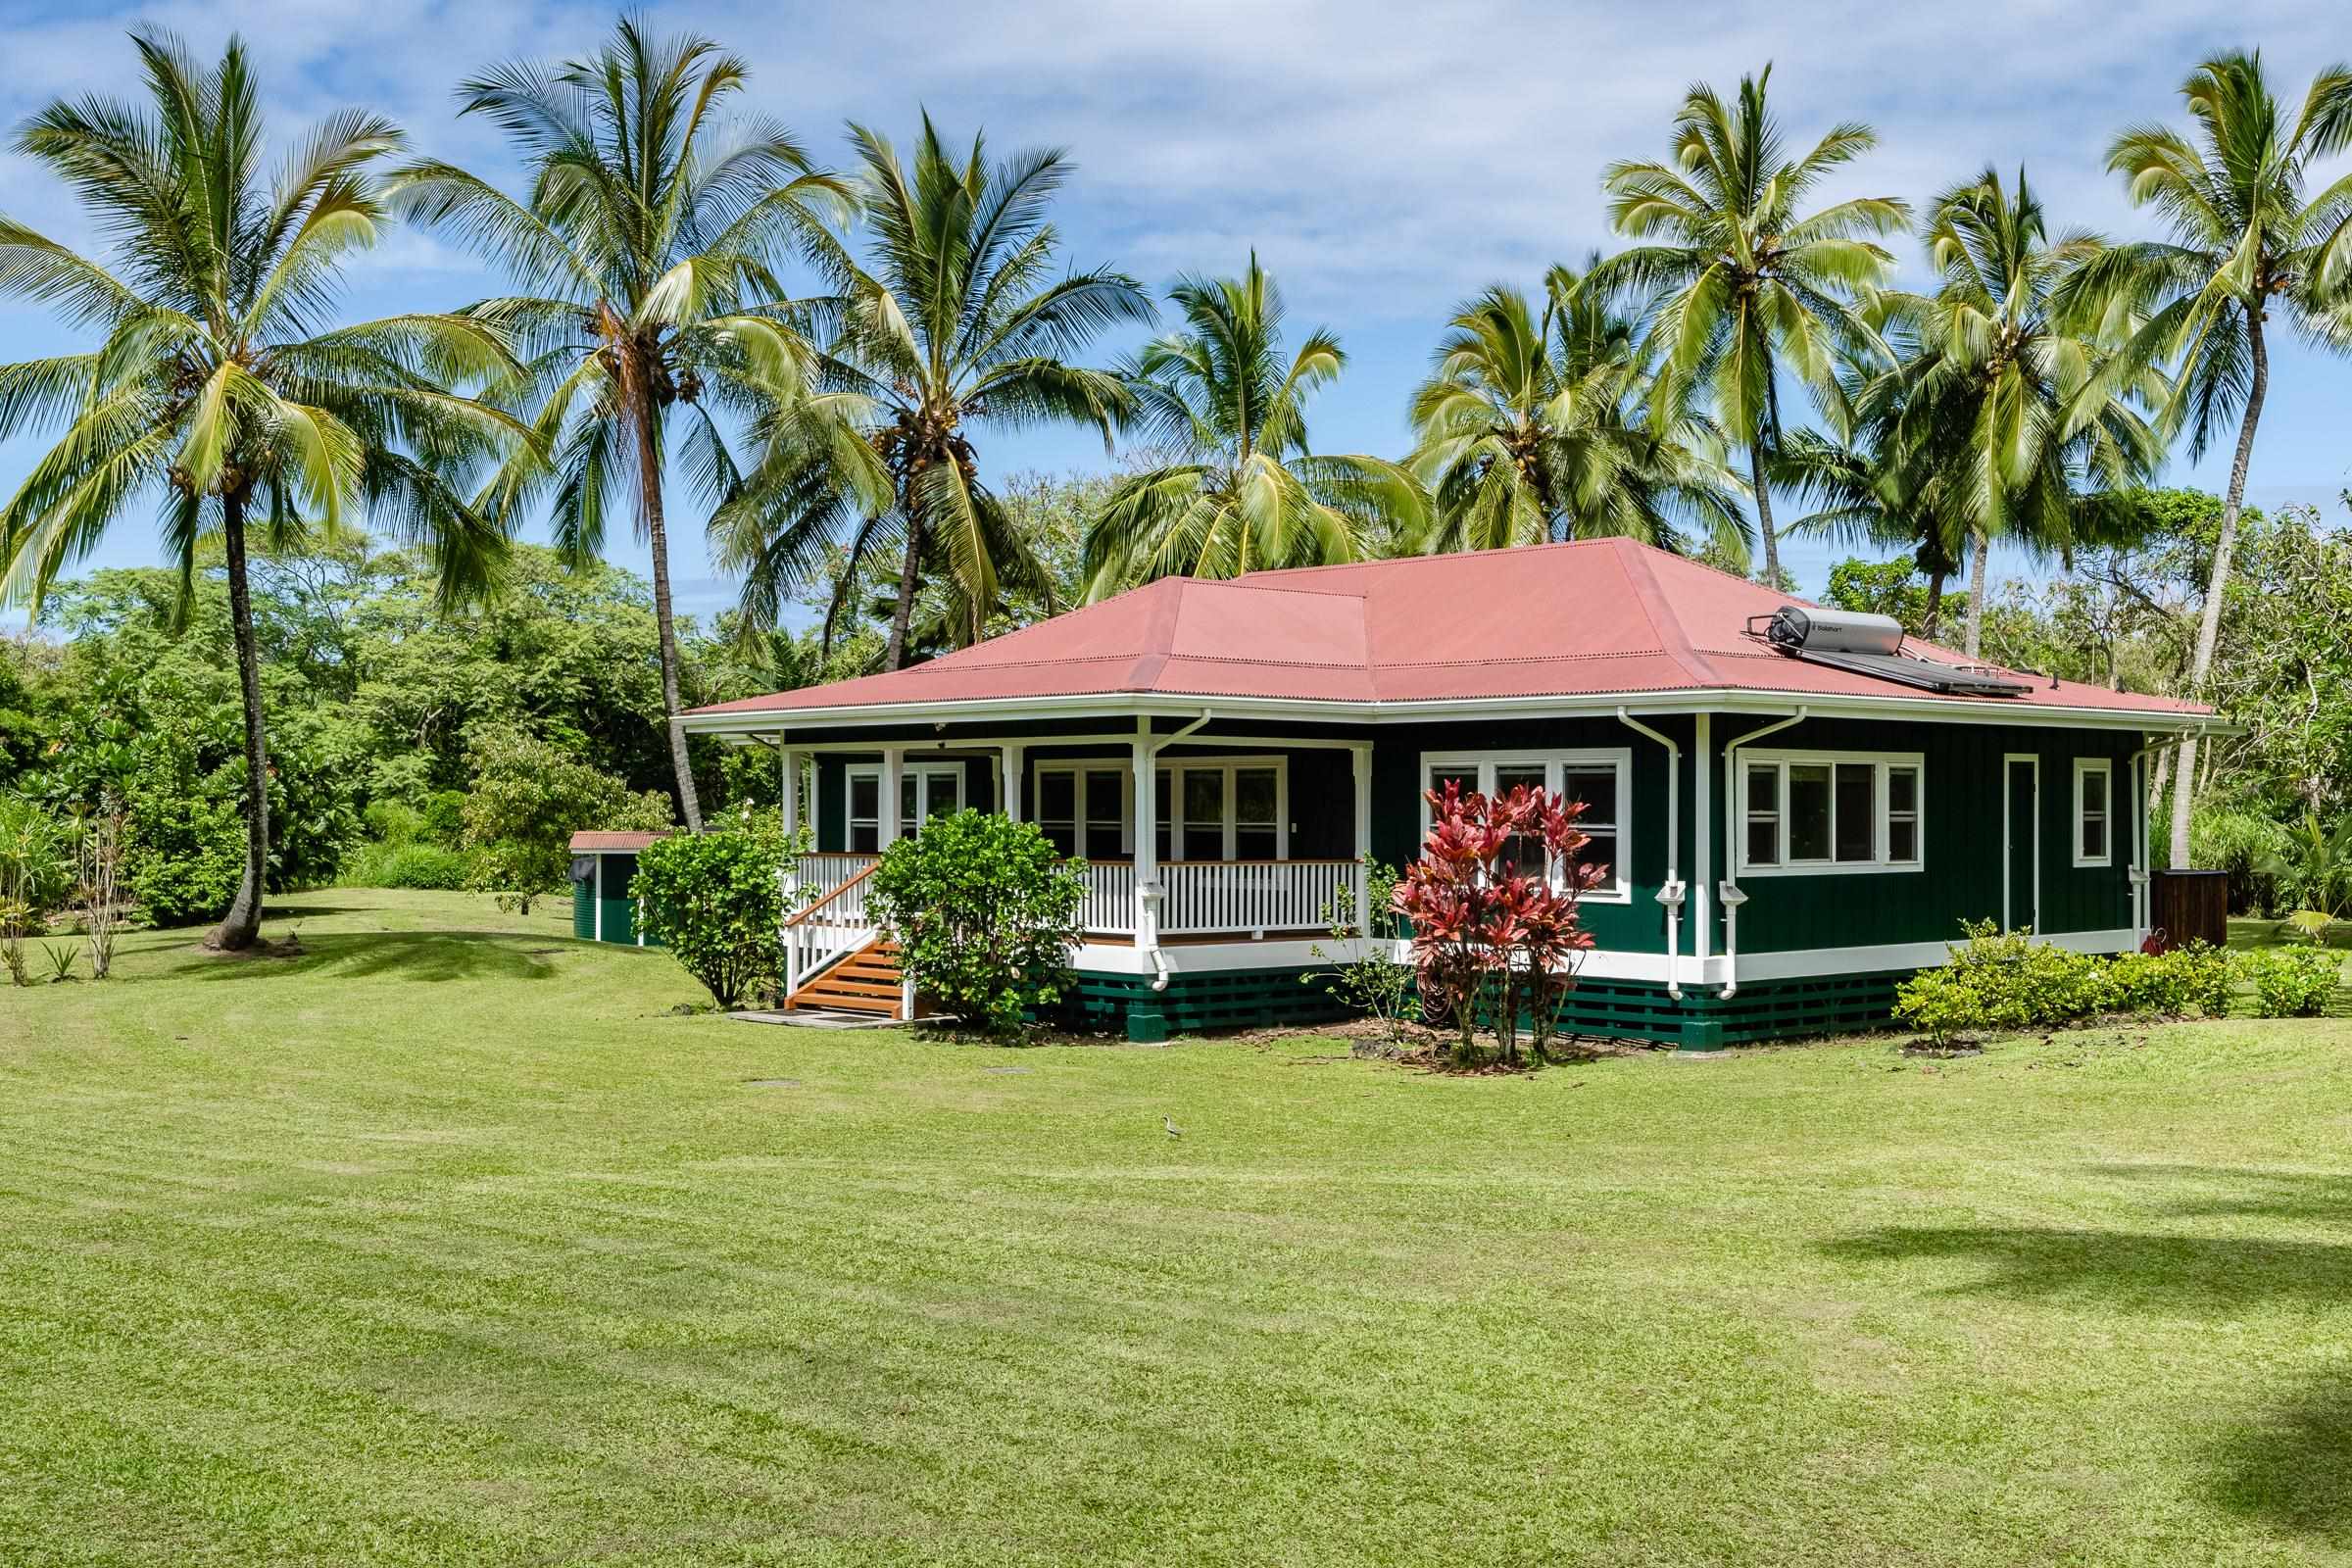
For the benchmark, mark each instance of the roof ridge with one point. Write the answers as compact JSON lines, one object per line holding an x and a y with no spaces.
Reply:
{"x":1673,"y":639}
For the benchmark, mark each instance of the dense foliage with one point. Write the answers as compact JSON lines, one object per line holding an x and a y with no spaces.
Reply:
{"x":986,"y":915}
{"x":714,"y":900}
{"x":528,"y":799}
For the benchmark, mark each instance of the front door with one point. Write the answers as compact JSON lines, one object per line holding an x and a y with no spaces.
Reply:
{"x":2021,"y":878}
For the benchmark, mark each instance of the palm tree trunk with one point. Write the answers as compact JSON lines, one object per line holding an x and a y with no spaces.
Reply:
{"x":1979,"y":557}
{"x":649,"y":482}
{"x":1772,"y":545}
{"x":241,"y":927}
{"x":2208,"y":626}
{"x":2157,"y":777}
{"x":909,"y":578}
{"x":1934,"y":615}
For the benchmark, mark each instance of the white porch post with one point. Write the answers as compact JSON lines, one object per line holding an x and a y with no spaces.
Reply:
{"x":886,"y":810}
{"x":1010,"y":770}
{"x":1361,"y":753}
{"x":1146,"y":849}
{"x":788,"y":768}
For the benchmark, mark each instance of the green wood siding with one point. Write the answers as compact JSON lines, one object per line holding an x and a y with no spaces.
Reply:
{"x":1963,"y":850}
{"x":621,"y":914}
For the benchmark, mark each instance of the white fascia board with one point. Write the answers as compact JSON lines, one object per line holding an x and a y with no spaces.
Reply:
{"x":1929,"y":709}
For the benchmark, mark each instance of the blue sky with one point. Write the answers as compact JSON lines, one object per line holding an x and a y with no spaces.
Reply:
{"x":1384,"y":159}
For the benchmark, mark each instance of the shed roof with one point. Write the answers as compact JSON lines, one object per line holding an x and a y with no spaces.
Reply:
{"x":594,"y":842}
{"x":1597,"y":617}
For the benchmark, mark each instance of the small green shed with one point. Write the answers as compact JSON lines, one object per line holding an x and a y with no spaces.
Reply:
{"x":603,"y":865}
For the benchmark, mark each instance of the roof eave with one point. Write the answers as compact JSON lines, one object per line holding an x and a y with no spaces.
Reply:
{"x":1717,"y":700}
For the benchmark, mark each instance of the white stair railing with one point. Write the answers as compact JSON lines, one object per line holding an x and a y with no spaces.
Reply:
{"x":832,"y":920}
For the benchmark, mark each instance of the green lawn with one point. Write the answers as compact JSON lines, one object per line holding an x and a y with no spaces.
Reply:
{"x":445,"y":1243}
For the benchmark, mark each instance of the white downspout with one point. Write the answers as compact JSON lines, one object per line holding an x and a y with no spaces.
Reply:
{"x":1671,"y":892}
{"x":2139,"y":767}
{"x":1729,"y":891}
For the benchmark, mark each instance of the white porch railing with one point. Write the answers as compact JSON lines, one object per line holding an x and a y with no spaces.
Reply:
{"x":825,"y":916}
{"x":1224,"y":898}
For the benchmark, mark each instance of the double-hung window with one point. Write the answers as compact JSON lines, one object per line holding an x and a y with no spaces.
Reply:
{"x":925,"y":790}
{"x":1082,"y":808}
{"x":1600,"y":779}
{"x":1814,"y":811}
{"x":1221,"y":809}
{"x":2094,"y":803}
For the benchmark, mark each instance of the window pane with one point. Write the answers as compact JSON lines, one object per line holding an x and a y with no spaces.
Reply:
{"x":1857,"y":811}
{"x":1598,"y":791}
{"x":1602,"y":851}
{"x":1903,"y":841}
{"x":1102,"y":787}
{"x":1466,"y":777}
{"x":1809,"y":811}
{"x":1903,"y":789}
{"x":865,"y":838}
{"x":1056,"y":796}
{"x":1204,"y":800}
{"x":1763,"y":840}
{"x":865,"y":798}
{"x":1060,"y":836}
{"x":2094,"y":838}
{"x":2094,"y":793}
{"x":1103,"y":842}
{"x":1253,"y":843}
{"x":939,"y":794}
{"x":1203,"y":843}
{"x":1525,"y":854}
{"x":1764,"y":815}
{"x":1511,"y":775}
{"x":1254,"y":796}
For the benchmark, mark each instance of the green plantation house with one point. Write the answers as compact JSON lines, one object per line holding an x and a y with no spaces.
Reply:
{"x":1796,"y":807}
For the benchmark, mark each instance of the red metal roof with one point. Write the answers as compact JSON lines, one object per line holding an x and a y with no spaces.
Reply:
{"x":591,"y":842}
{"x":1595,"y":618}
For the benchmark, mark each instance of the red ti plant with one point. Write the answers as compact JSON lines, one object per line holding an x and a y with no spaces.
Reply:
{"x":1487,"y":928}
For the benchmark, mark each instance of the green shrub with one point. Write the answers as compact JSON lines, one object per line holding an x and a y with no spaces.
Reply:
{"x":714,"y":900}
{"x":183,"y":858}
{"x":443,"y":820}
{"x":2291,"y":982}
{"x":1941,"y":1004}
{"x":986,"y":914}
{"x":529,"y":796}
{"x":430,"y":868}
{"x":2170,"y":985}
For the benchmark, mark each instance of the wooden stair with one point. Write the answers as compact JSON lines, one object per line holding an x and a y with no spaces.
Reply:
{"x":869,"y":980}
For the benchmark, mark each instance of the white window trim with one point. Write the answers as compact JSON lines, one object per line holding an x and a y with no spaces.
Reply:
{"x":1879,"y":865}
{"x":1618,"y":758}
{"x":2105,"y":767}
{"x":1227,"y":765}
{"x":1078,"y":768}
{"x":918,"y":771}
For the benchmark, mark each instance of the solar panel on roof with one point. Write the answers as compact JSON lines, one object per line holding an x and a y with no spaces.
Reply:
{"x":1872,"y":644}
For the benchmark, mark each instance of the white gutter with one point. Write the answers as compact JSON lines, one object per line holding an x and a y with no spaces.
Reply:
{"x":1671,"y":892}
{"x":1728,"y":889}
{"x":1718,"y":700}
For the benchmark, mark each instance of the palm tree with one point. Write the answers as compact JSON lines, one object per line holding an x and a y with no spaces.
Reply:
{"x":956,"y":321}
{"x":1531,"y":428}
{"x":1745,"y":283}
{"x":1882,"y":472}
{"x":2244,"y":236}
{"x":2042,"y":417}
{"x":1246,"y":493}
{"x":647,"y":249}
{"x":216,"y":386}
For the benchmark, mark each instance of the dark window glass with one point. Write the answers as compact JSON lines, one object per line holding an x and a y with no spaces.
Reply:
{"x":1764,"y":815}
{"x":1104,"y":795}
{"x":865,"y":798}
{"x":1062,"y":836}
{"x":1511,"y":775}
{"x":1253,"y":795}
{"x":1903,"y":789}
{"x":1857,"y":811}
{"x":1253,"y":843}
{"x":939,"y":794}
{"x":865,"y":838}
{"x":1056,"y":797}
{"x":1466,"y":777}
{"x":1903,"y":841}
{"x":1203,"y":816}
{"x":1602,"y":851}
{"x":1763,"y":840}
{"x":1809,"y":811}
{"x":1101,"y":842}
{"x":1598,"y":792}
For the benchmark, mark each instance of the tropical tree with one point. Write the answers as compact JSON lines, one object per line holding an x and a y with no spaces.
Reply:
{"x":648,"y":250}
{"x":217,"y":388}
{"x":1531,"y":428}
{"x":2245,"y":237}
{"x":1243,"y":492}
{"x":955,"y":319}
{"x":2043,"y":420}
{"x":1745,"y":283}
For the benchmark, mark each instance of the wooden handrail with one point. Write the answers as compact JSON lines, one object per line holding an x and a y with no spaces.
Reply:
{"x":835,"y":894}
{"x":1092,"y":859}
